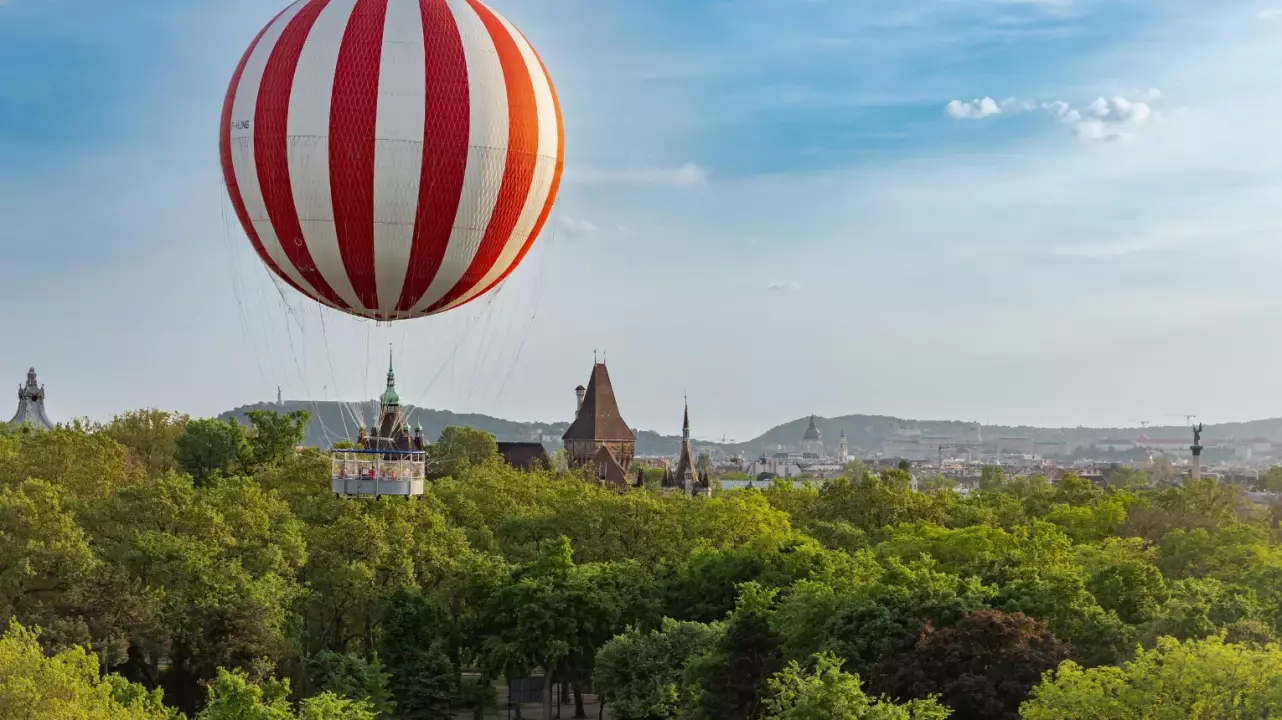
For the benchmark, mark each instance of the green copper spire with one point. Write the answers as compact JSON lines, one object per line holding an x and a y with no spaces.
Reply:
{"x":389,"y":396}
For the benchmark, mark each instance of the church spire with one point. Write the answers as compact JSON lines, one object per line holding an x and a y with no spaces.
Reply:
{"x":389,"y":396}
{"x":685,"y":422}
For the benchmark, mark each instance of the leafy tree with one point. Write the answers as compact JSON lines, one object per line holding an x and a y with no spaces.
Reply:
{"x":227,"y":558}
{"x":151,"y":437}
{"x":640,"y":673}
{"x":871,"y":503}
{"x":36,"y":686}
{"x":1271,"y":479}
{"x":983,"y":668}
{"x":829,"y":693}
{"x":1134,"y":590}
{"x":547,"y":613}
{"x":1194,"y":680}
{"x":459,"y":448}
{"x":233,"y":696}
{"x":86,"y":465}
{"x":1123,"y":477}
{"x":1057,"y":596}
{"x":936,"y":482}
{"x":1199,"y":608}
{"x":731,"y":678}
{"x":415,"y":638}
{"x":43,"y":550}
{"x":885,"y":618}
{"x":1089,"y":523}
{"x":1073,"y":489}
{"x":273,"y":436}
{"x":992,"y":477}
{"x":211,"y":447}
{"x":704,"y":588}
{"x":351,"y":676}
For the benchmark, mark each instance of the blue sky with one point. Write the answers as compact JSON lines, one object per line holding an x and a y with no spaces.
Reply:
{"x":1005,"y":211}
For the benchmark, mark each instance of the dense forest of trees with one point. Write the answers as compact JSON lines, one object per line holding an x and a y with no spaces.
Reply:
{"x":155,"y":567}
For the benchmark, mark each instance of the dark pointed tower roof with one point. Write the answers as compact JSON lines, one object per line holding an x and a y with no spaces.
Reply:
{"x":598,"y":417}
{"x":812,"y":432}
{"x":31,"y":405}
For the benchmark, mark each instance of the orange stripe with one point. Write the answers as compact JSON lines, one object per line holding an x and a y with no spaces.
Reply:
{"x":522,"y":154}
{"x":552,"y":191}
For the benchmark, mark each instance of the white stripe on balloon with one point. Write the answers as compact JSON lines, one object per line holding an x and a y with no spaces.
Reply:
{"x":486,"y":153}
{"x":309,"y":106}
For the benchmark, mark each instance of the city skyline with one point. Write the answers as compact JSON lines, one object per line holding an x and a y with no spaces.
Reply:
{"x":1052,"y":213}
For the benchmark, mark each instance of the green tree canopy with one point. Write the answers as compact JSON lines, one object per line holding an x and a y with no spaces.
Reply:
{"x":1194,"y":680}
{"x":36,"y":686}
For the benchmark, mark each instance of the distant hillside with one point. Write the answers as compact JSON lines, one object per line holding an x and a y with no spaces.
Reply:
{"x":333,"y":421}
{"x":865,"y":433}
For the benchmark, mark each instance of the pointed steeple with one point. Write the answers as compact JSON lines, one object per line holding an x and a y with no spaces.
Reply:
{"x":687,"y":477}
{"x":685,"y":422}
{"x":390,"y":396}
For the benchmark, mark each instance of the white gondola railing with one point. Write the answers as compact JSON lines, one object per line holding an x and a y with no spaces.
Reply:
{"x":375,"y":473}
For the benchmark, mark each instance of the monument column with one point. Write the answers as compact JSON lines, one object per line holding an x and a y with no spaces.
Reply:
{"x":1196,"y":447}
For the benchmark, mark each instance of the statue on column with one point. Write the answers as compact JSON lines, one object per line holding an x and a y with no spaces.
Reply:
{"x":1197,"y":434}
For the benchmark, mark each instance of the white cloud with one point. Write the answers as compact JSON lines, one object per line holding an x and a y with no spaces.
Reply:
{"x":973,"y":110}
{"x":687,"y":175}
{"x":1107,"y":118}
{"x":981,"y":108}
{"x":1104,"y":118}
{"x":780,"y":286}
{"x":1269,"y":14}
{"x":1112,"y":118}
{"x":578,"y":226}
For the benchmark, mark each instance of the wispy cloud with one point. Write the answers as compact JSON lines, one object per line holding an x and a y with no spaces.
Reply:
{"x":781,"y":286}
{"x":687,"y":175}
{"x":1105,"y":118}
{"x":577,"y":226}
{"x":1269,"y":14}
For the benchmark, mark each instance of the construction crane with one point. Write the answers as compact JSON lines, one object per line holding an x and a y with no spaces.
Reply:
{"x":950,"y":446}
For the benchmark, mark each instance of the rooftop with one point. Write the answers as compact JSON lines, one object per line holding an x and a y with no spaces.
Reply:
{"x":598,"y":417}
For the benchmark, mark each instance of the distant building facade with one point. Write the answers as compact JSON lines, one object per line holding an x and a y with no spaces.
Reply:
{"x":31,"y":406}
{"x":598,"y":438}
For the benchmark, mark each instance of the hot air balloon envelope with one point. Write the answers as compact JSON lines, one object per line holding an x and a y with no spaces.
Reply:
{"x":391,"y":158}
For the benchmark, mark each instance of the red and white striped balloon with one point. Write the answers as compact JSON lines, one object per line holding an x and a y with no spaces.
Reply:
{"x":391,"y":158}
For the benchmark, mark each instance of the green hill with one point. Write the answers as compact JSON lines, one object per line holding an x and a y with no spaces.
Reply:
{"x":334,"y":421}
